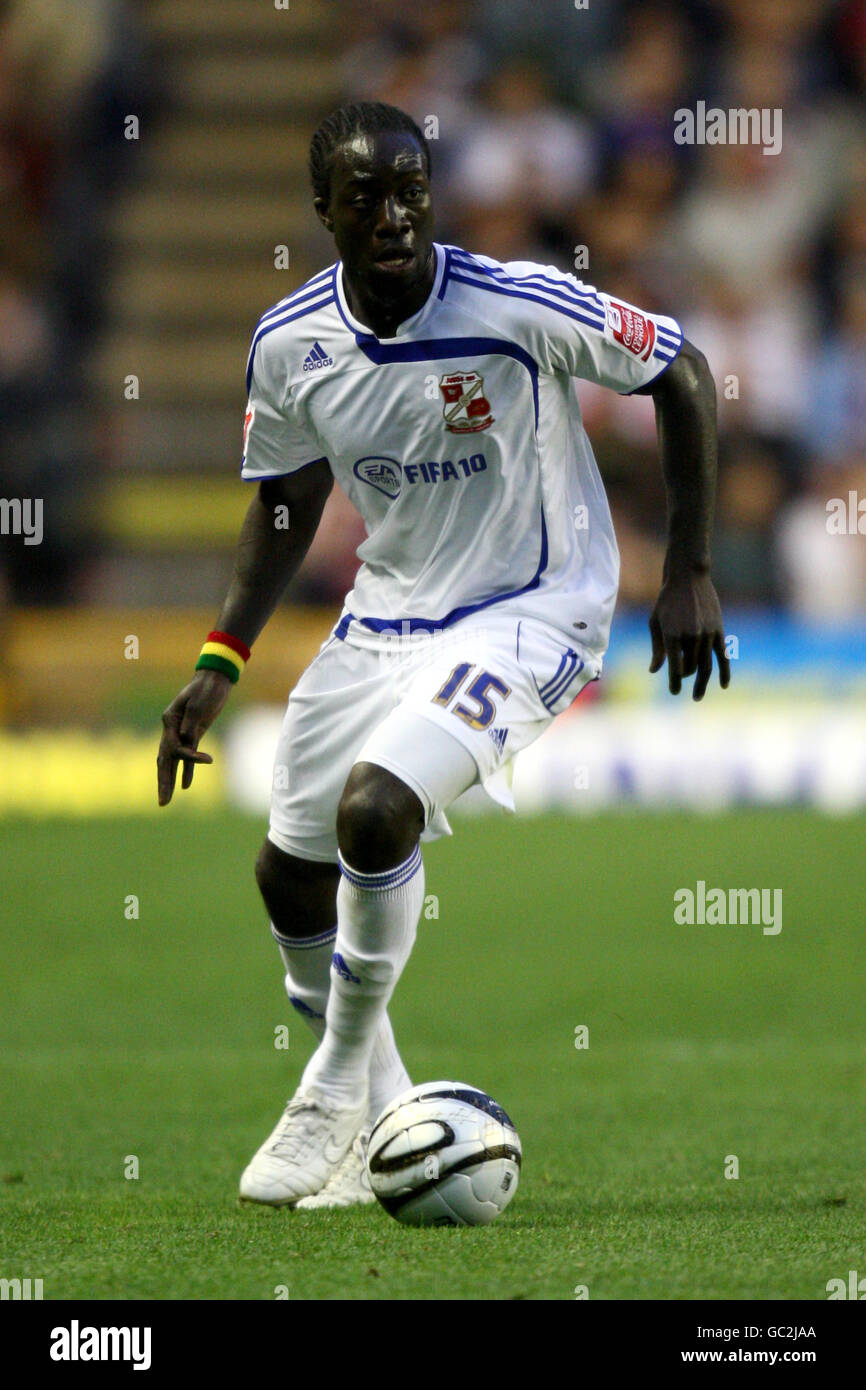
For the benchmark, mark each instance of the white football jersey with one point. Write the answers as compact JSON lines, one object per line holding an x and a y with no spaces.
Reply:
{"x":459,"y":439}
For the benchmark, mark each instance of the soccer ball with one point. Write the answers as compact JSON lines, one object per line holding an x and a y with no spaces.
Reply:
{"x":444,"y":1154}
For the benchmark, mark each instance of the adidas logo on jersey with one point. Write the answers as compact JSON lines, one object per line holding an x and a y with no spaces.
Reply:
{"x":317,"y":358}
{"x":499,"y":736}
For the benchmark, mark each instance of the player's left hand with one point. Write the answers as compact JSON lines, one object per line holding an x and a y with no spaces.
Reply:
{"x":687,"y":628}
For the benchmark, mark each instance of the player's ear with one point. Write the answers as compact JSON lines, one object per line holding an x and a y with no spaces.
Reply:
{"x":321,"y":205}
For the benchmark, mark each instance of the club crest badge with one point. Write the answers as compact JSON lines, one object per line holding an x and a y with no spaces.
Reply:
{"x":466,"y":408}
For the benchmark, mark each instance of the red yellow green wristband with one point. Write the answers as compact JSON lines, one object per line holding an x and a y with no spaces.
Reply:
{"x":221,"y":652}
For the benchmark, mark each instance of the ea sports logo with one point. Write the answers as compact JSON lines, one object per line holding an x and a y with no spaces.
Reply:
{"x":384,"y":474}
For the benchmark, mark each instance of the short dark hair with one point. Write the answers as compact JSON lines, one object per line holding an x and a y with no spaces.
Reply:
{"x":356,"y":118}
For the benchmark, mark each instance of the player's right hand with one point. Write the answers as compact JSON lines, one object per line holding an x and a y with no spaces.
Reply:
{"x":187,"y":718}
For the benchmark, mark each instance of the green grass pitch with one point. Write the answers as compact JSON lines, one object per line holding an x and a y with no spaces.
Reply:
{"x":155,"y":1038}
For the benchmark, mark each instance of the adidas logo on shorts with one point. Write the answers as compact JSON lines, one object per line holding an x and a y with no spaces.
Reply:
{"x":317,"y":358}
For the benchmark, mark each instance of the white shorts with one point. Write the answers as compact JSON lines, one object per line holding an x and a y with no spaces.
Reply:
{"x":440,"y":710}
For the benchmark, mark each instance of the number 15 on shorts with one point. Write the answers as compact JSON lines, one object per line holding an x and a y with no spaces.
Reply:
{"x":484,"y":715}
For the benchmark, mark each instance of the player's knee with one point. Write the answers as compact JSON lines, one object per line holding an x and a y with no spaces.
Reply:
{"x":379,"y":819}
{"x":298,"y":894}
{"x":267,"y":873}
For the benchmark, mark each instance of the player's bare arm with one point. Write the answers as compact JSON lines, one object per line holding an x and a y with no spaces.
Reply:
{"x":267,"y":558}
{"x":686,"y":624}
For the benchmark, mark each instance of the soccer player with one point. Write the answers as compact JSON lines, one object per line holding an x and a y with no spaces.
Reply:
{"x":437,"y":386}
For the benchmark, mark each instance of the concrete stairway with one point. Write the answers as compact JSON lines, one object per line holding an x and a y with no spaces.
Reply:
{"x":222,"y":181}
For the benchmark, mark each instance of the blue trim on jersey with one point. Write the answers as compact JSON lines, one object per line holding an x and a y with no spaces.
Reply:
{"x":306,"y":290}
{"x":445,"y":273}
{"x":676,"y":345}
{"x":278,"y":323}
{"x":294,"y":302}
{"x":669,"y":342}
{"x":564,"y":290}
{"x":436,"y":624}
{"x":662,"y":369}
{"x":442,"y":256}
{"x":434,"y":349}
{"x":597,"y":324}
{"x":351,"y":327}
{"x":265,"y":477}
{"x":665,"y":338}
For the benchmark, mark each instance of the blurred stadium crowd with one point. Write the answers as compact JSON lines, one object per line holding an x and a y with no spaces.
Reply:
{"x":67,"y":77}
{"x":554,"y":133}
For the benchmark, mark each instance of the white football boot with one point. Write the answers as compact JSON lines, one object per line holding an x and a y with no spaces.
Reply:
{"x":308,"y":1144}
{"x":348,"y":1185}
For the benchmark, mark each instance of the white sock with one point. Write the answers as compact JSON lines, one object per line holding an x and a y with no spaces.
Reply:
{"x":388,"y":1076}
{"x":377,"y":916}
{"x":308,"y":967}
{"x":307,"y":962}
